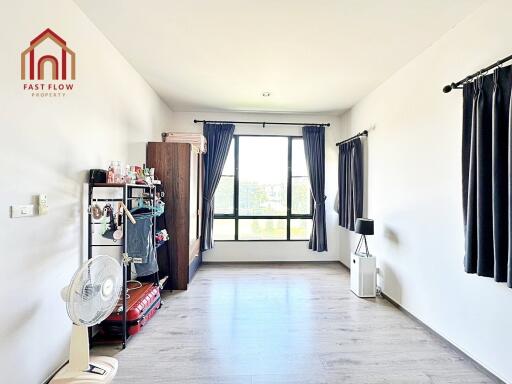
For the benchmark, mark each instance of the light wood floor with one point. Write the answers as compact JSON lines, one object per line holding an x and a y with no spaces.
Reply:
{"x":285,"y":323}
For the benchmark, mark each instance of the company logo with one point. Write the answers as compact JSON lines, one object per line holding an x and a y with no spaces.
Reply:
{"x":48,"y":63}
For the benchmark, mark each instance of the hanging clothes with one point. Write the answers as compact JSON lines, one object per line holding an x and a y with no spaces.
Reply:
{"x":140,"y":242}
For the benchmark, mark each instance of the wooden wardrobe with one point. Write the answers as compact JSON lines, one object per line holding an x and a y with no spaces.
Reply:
{"x":179,"y":167}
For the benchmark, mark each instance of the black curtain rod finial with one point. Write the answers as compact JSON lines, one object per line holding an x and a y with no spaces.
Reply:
{"x":447,"y":88}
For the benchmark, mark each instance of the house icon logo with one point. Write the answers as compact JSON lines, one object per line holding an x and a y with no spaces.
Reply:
{"x":37,"y":68}
{"x":48,"y":65}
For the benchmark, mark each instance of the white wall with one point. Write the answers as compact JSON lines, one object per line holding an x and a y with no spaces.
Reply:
{"x":47,"y":145}
{"x":276,"y":251}
{"x":414,"y":190}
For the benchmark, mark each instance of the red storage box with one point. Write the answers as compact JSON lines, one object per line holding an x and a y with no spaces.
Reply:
{"x":142,"y":306}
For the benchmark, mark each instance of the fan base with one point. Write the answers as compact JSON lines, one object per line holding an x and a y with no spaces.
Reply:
{"x":106,"y":365}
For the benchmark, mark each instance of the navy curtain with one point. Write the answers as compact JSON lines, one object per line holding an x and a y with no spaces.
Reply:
{"x":486,"y":175}
{"x":218,"y":140}
{"x":350,"y":183}
{"x":314,"y":147}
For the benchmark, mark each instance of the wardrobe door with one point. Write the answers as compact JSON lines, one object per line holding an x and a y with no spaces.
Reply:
{"x":195,"y":205}
{"x":200,"y":170}
{"x":193,"y":198}
{"x":172,"y":166}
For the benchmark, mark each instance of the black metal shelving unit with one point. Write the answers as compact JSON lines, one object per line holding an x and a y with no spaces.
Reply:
{"x":126,"y":262}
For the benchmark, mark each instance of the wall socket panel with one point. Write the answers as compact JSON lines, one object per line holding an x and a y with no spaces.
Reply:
{"x":42,"y":200}
{"x":22,"y":211}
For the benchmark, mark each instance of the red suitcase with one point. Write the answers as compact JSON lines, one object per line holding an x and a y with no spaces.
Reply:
{"x":142,"y":305}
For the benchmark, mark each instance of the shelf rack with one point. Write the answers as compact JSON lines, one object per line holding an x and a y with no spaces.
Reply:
{"x":126,"y":262}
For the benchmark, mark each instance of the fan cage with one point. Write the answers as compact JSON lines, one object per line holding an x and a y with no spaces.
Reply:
{"x":94,"y":290}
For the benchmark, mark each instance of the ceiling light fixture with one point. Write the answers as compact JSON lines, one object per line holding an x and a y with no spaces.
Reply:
{"x":265,"y":94}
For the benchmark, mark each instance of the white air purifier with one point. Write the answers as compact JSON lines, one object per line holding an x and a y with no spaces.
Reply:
{"x":363,"y":275}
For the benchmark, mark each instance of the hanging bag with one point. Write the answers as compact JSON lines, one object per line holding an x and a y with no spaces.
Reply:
{"x":111,"y":226}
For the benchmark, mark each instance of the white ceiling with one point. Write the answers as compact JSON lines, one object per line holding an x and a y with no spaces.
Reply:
{"x":313,"y":56}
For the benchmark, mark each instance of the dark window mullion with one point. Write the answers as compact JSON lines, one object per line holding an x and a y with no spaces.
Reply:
{"x":289,"y":189}
{"x":299,"y":216}
{"x":235,"y":197}
{"x":282,"y":217}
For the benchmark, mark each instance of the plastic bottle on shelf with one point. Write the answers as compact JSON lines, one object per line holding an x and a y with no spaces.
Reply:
{"x":126,"y":174}
{"x":118,"y":175}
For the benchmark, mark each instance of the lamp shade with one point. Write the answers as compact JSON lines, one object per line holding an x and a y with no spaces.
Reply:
{"x":364,"y":226}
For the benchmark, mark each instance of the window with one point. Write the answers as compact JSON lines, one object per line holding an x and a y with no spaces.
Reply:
{"x":264,"y":192}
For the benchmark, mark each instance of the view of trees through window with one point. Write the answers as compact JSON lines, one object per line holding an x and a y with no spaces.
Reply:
{"x":264,"y":191}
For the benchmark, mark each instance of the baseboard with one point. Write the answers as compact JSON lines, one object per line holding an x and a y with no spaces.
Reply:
{"x":194,"y":266}
{"x":248,"y":259}
{"x":263,"y":262}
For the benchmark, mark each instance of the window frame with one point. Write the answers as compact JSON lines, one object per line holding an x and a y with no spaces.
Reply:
{"x":289,"y":215}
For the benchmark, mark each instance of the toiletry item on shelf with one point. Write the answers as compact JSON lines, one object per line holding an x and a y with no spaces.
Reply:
{"x":118,"y":173}
{"x":110,"y":175}
{"x":154,"y":181}
{"x":138,"y":175}
{"x":130,"y":176}
{"x":115,"y":168}
{"x":127,"y":179}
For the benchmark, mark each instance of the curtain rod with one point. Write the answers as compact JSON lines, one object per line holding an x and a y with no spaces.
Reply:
{"x":457,"y":85}
{"x":259,"y":123}
{"x":364,"y":133}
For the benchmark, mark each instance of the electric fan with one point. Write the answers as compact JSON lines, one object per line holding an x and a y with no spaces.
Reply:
{"x":90,"y":297}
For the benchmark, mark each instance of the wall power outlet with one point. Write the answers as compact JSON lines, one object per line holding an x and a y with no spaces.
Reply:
{"x":42,"y":204}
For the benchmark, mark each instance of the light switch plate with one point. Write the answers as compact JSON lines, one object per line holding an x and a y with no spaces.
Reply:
{"x":22,"y":211}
